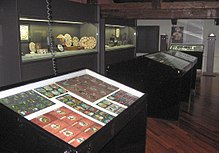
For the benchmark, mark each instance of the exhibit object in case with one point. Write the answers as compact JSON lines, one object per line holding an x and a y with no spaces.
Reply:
{"x":162,"y":76}
{"x":196,"y":50}
{"x":77,"y":112}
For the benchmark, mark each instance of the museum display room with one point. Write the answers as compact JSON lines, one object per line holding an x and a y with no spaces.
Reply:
{"x":57,"y":102}
{"x":71,"y":80}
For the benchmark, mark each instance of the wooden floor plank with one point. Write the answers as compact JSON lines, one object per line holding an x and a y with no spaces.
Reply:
{"x":196,"y":131}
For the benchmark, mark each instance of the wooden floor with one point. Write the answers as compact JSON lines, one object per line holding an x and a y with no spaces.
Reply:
{"x":197,"y":130}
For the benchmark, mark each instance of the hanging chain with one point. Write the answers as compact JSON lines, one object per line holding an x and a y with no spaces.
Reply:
{"x":50,"y":42}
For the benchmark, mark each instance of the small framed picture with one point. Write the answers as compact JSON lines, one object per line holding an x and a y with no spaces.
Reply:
{"x":177,"y":34}
{"x":24,"y":32}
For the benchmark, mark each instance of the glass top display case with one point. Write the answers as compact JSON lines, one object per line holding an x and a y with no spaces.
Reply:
{"x":187,"y":47}
{"x":182,"y":55}
{"x":69,"y":38}
{"x":71,"y":107}
{"x":174,"y":62}
{"x":196,"y":50}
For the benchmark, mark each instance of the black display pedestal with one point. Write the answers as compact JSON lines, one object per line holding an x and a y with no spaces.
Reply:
{"x":193,"y":72}
{"x":166,"y":86}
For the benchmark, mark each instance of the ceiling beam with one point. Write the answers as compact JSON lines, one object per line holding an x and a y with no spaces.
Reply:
{"x":167,"y":10}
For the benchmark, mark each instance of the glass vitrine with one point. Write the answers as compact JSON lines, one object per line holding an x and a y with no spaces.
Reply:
{"x":196,"y":50}
{"x":187,"y":47}
{"x":69,"y":38}
{"x":119,"y":37}
{"x":172,"y":61}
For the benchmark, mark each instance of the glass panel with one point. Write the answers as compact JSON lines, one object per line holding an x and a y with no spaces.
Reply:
{"x":117,"y":37}
{"x":183,"y":55}
{"x":69,"y":38}
{"x":169,"y":60}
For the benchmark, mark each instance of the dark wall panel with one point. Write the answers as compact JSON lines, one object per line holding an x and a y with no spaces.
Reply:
{"x":147,"y":39}
{"x":9,"y":55}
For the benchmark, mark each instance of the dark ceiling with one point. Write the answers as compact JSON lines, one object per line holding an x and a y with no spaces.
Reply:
{"x":162,"y":9}
{"x":182,"y":0}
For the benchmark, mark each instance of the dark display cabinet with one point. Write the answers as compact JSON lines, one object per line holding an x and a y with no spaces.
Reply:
{"x":24,"y":24}
{"x":25,"y":53}
{"x":196,"y":50}
{"x":120,"y":40}
{"x":160,"y":75}
{"x":184,"y":68}
{"x":74,"y":37}
{"x":79,"y":112}
{"x":192,"y":59}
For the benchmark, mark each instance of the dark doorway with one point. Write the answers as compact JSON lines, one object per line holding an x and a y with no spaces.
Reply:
{"x":147,"y":39}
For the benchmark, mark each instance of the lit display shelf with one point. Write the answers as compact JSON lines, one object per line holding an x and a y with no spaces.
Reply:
{"x":38,"y":57}
{"x":115,"y":48}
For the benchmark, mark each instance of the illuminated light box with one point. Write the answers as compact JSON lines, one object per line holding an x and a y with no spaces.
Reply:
{"x":71,"y":107}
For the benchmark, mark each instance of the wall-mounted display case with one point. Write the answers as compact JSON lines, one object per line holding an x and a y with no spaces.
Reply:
{"x":69,"y":38}
{"x":120,"y":40}
{"x":77,"y":112}
{"x":24,"y":27}
{"x":196,"y":50}
{"x":74,"y":37}
{"x":162,"y":76}
{"x":118,"y":36}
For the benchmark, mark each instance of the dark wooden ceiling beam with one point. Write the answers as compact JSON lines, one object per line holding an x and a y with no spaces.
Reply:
{"x":126,"y":6}
{"x":164,"y":14}
{"x":189,"y":5}
{"x":167,"y":10}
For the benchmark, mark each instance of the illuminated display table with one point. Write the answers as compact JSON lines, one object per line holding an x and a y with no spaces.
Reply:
{"x":77,"y":112}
